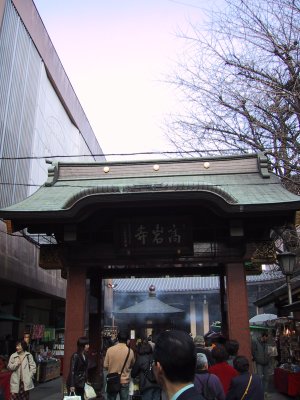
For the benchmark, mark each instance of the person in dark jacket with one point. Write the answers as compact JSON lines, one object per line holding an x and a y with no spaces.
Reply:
{"x":79,"y":367}
{"x":174,"y":365}
{"x":262,"y":358}
{"x":203,"y":378}
{"x":232,"y":346}
{"x":200,"y":348}
{"x":142,"y":368}
{"x":242,"y":386}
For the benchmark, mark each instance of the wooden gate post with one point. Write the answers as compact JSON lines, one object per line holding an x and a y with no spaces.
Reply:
{"x":237,"y":312}
{"x":75,"y":313}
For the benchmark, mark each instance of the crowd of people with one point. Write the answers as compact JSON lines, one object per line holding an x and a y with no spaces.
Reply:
{"x":170,"y":366}
{"x":175,"y":366}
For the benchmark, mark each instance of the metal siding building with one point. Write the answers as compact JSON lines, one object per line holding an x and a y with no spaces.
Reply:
{"x":40,"y":117}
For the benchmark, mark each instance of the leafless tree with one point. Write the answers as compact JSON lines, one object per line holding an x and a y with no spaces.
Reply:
{"x":240,"y":81}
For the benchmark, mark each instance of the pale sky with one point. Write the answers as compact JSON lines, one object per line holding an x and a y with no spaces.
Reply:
{"x":117,"y":53}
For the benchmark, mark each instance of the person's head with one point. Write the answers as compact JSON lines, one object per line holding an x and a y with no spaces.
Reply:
{"x":264,"y":336}
{"x":83,"y":344}
{"x":144,"y":347}
{"x":241,"y":364}
{"x":21,"y":346}
{"x":202,"y":362}
{"x":123,"y":336}
{"x":174,"y":357}
{"x":232,"y":347}
{"x":219,"y":353}
{"x":26,"y":337}
{"x":199,"y":341}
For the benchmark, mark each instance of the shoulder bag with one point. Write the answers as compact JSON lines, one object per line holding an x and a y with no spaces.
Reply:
{"x":113,"y":380}
{"x":89,"y":392}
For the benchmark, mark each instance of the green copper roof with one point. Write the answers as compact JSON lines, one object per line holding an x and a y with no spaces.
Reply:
{"x":242,"y":181}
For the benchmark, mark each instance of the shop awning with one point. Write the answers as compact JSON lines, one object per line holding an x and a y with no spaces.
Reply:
{"x":280,"y":294}
{"x":8,"y":317}
{"x":292,"y":307}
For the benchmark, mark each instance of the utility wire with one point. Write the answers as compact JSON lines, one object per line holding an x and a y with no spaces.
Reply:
{"x":177,"y":152}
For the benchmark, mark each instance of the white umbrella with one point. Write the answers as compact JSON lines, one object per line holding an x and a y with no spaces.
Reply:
{"x":262,"y":319}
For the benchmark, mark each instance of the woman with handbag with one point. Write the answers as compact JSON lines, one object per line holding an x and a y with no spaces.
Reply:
{"x":23,"y":368}
{"x":78,"y":368}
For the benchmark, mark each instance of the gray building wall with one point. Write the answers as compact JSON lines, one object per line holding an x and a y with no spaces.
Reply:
{"x":40,"y":117}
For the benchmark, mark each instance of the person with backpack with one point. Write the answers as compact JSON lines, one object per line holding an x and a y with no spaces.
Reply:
{"x":142,"y":369}
{"x":209,"y":385}
{"x":23,"y":368}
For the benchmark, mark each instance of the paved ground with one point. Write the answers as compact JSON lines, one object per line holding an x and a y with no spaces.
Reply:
{"x":52,"y":390}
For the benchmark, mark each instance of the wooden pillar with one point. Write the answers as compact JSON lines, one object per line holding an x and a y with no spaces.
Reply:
{"x":205,"y":316}
{"x":237,"y":302}
{"x":75,"y":313}
{"x":95,"y":322}
{"x":193,"y":316}
{"x":224,"y":319}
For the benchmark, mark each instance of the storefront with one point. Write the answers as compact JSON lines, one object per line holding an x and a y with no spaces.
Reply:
{"x":287,"y":373}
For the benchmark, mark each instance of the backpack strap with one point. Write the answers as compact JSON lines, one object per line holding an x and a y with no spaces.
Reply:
{"x":205,"y":383}
{"x":208,"y":378}
{"x":27,"y":355}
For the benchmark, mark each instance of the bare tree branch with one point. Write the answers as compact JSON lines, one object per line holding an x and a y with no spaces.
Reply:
{"x":241,"y":84}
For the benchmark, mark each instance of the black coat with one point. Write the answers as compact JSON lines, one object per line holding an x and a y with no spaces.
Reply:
{"x":140,"y":369}
{"x":239,"y":384}
{"x":78,"y":371}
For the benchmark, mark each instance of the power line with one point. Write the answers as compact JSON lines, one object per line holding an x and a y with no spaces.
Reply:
{"x":173,"y":152}
{"x":176,"y":152}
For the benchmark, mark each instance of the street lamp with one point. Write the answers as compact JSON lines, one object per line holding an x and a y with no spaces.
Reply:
{"x":287,"y":262}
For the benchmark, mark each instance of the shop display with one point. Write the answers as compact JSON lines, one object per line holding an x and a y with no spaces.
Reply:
{"x":48,"y":369}
{"x":287,"y":374}
{"x":58,"y":350}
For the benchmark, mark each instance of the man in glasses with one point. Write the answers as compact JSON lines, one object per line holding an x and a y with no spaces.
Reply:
{"x":174,"y":365}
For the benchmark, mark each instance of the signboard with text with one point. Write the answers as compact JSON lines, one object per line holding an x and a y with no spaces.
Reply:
{"x":154,"y":236}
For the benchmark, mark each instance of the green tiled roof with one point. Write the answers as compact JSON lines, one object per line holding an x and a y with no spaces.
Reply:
{"x":237,"y":181}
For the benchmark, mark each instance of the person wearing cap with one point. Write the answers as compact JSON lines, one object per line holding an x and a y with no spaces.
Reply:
{"x":174,"y":361}
{"x":205,"y":381}
{"x":245,"y":386}
{"x":200,"y":348}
